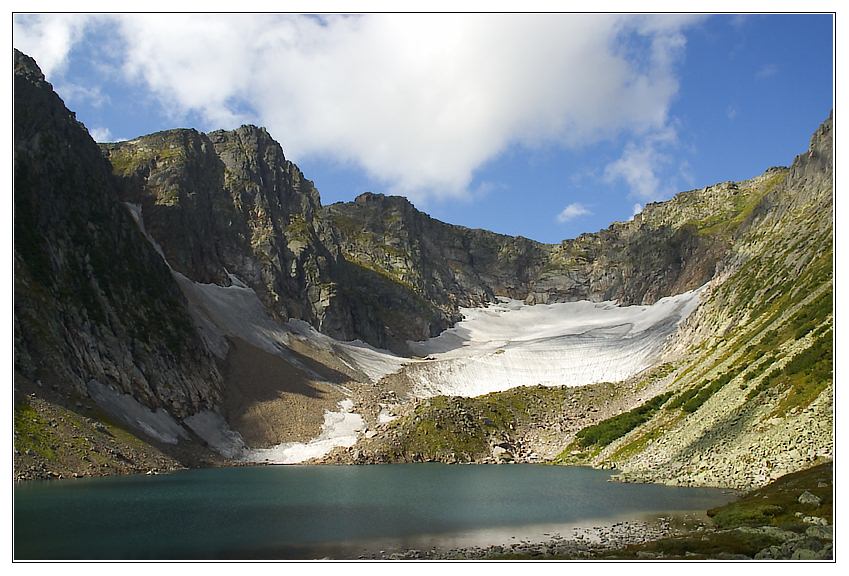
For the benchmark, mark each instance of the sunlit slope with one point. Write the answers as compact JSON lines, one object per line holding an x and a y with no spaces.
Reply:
{"x":753,"y":390}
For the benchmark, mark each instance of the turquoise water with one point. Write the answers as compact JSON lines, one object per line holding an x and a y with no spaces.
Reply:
{"x":316,"y":511}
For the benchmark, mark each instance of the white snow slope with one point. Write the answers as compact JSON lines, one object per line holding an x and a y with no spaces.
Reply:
{"x":502,"y":346}
{"x":339,"y":429}
{"x":575,"y":343}
{"x":236,"y":311}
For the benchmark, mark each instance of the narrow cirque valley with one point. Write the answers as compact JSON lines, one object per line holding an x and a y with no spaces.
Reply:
{"x":248,"y":323}
{"x":184,"y":300}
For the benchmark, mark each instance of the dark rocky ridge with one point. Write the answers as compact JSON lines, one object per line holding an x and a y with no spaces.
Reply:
{"x":635,"y":262}
{"x":377,"y":268}
{"x":93,"y":299}
{"x":230,"y":203}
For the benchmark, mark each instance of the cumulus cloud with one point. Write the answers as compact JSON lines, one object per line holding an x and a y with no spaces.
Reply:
{"x":572,"y":211}
{"x":101,"y":134}
{"x":419,"y":101}
{"x":48,"y":38}
{"x":643,"y":164}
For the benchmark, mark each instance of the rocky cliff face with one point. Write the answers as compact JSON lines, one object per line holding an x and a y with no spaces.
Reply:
{"x":449,"y":265}
{"x":745,"y":392}
{"x":93,"y":300}
{"x":230,"y":203}
{"x":670,"y":248}
{"x":746,"y":389}
{"x":377,"y":268}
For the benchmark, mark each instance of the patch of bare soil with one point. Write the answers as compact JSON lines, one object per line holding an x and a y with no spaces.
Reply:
{"x":270,"y":400}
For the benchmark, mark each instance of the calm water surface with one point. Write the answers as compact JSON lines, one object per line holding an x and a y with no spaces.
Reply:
{"x":317,"y":511}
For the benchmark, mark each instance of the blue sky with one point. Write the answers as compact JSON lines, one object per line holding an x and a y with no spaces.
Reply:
{"x":540,"y":126}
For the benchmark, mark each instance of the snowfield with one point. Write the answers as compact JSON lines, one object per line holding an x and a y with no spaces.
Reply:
{"x":574,"y":343}
{"x":505,"y":345}
{"x":236,"y":311}
{"x":339,"y":429}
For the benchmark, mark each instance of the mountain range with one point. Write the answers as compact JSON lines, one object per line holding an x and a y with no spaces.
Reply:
{"x":184,"y":299}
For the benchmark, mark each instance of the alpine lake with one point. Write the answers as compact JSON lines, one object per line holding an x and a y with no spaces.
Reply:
{"x":306,"y":512}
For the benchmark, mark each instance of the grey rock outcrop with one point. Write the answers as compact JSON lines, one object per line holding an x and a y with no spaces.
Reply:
{"x":93,"y":299}
{"x":229,"y":203}
{"x":668,"y":249}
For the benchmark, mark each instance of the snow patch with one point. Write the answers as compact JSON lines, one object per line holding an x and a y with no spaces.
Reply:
{"x":136,"y":213}
{"x":339,"y":429}
{"x":236,"y":310}
{"x":212,"y":427}
{"x":158,"y":424}
{"x":512,"y":344}
{"x":385,"y":416}
{"x":373,"y":362}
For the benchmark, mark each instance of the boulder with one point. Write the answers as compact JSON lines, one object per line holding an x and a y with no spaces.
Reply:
{"x":809,"y":499}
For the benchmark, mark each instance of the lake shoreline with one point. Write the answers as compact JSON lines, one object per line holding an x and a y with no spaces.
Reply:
{"x":302,"y":511}
{"x":573,"y":542}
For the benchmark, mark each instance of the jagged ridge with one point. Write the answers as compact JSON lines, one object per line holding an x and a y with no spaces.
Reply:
{"x":93,"y":300}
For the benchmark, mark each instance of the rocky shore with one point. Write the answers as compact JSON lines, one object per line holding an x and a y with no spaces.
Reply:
{"x":788,"y":519}
{"x":580,"y":542}
{"x":659,"y":540}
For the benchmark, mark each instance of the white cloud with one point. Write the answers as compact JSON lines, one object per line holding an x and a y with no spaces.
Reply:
{"x":101,"y":134}
{"x":420,"y":101}
{"x":572,"y":211}
{"x":642,"y":165}
{"x":75,"y":93}
{"x":48,"y":38}
{"x":731,"y":112}
{"x":636,"y":210}
{"x":767,"y":71}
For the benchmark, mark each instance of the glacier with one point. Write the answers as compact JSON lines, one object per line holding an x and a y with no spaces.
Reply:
{"x":511,"y":344}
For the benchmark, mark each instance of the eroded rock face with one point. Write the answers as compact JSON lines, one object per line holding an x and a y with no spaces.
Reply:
{"x":670,"y":248}
{"x":93,"y":299}
{"x":378,"y":269}
{"x":230,"y":203}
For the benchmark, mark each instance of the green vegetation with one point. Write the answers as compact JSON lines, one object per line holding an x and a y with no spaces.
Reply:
{"x":700,"y":546}
{"x":741,"y":205}
{"x":127,"y":158}
{"x":812,"y":314}
{"x":466,"y":427}
{"x":32,"y":432}
{"x":299,"y":229}
{"x":804,"y":377}
{"x":444,"y":426}
{"x":607,"y":431}
{"x":777,"y":503}
{"x":649,"y":433}
{"x":692,"y":399}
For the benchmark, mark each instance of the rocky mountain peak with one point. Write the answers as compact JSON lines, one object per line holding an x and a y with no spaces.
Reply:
{"x":367,"y":197}
{"x":95,"y":305}
{"x":26,"y":67}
